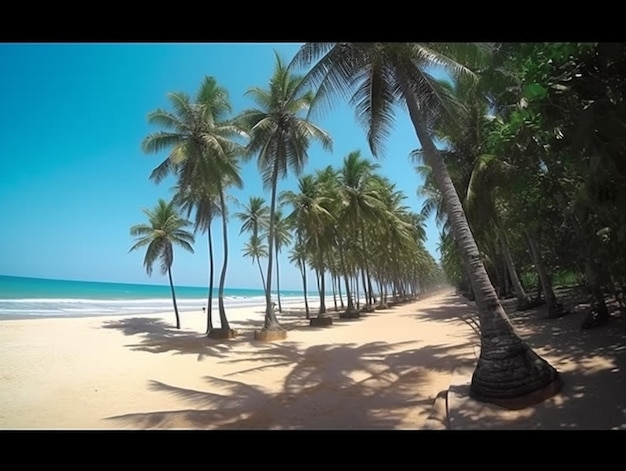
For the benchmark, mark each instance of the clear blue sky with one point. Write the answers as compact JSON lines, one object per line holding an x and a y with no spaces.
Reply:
{"x":74,"y":178}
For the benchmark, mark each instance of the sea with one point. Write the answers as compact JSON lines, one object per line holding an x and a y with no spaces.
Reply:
{"x":22,"y":297}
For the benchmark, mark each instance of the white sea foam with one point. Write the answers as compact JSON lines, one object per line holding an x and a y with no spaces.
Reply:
{"x":51,"y":307}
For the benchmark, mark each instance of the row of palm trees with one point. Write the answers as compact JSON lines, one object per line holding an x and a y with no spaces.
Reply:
{"x":348,"y":224}
{"x":205,"y":144}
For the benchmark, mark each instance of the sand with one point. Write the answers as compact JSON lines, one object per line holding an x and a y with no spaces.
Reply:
{"x":382,"y":371}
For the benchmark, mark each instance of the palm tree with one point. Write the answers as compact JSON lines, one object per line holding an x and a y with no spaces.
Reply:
{"x":361,"y":205}
{"x":297,"y":255}
{"x":281,"y":139}
{"x":254,"y":217}
{"x":165,"y":229}
{"x":203,"y":198}
{"x":255,"y":249}
{"x":203,"y":154}
{"x":282,"y":237}
{"x":308,"y":216}
{"x":378,"y":76}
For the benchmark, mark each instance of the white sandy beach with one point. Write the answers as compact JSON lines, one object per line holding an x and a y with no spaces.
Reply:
{"x":381,"y":371}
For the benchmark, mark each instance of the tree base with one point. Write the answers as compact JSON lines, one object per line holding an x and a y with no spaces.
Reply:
{"x":322,"y":321}
{"x":522,"y":402}
{"x":269,"y":335}
{"x":513,"y":376}
{"x":382,"y":307}
{"x":222,"y":334}
{"x":369,"y":308}
{"x":350,"y":314}
{"x":595,"y":318}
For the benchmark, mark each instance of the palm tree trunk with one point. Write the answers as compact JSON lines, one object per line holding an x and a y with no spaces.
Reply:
{"x":302,"y":266}
{"x":508,"y":372}
{"x":169,"y":273}
{"x":209,"y":319}
{"x":366,"y":295}
{"x":333,"y":280}
{"x":258,"y":262}
{"x":306,"y":301}
{"x":522,"y":298}
{"x":322,"y":309}
{"x":345,"y":277}
{"x":339,"y":291}
{"x":223,"y":320}
{"x":546,"y":283}
{"x":372,"y":298}
{"x":271,"y":322}
{"x":280,"y":307}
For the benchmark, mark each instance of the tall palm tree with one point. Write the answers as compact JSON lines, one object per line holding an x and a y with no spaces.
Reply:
{"x":280,"y":138}
{"x":165,"y":229}
{"x":203,"y":198}
{"x":361,"y":205}
{"x":203,"y":147}
{"x":378,"y":76}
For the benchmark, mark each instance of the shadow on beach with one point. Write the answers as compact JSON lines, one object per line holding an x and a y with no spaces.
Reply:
{"x":158,"y":336}
{"x":592,"y":364}
{"x":372,"y":386}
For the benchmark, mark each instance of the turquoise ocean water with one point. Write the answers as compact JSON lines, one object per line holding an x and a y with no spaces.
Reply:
{"x":22,"y":297}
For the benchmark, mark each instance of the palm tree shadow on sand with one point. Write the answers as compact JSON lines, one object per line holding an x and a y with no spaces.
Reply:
{"x":373,"y":386}
{"x":592,"y":364}
{"x":157,"y":336}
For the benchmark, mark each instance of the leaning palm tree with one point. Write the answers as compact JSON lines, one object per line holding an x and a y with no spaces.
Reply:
{"x":280,"y":138}
{"x":376,"y":77}
{"x":165,"y":229}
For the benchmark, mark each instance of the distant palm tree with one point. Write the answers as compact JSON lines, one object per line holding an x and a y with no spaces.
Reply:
{"x":308,"y":217}
{"x":254,"y":217}
{"x":165,"y":229}
{"x":255,"y":249}
{"x":280,"y":139}
{"x":297,"y":255}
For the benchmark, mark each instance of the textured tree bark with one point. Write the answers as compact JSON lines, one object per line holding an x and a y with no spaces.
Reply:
{"x":169,"y":273}
{"x":271,"y":322}
{"x":209,"y":307}
{"x":322,"y":290}
{"x":222,"y":310}
{"x":508,"y":372}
